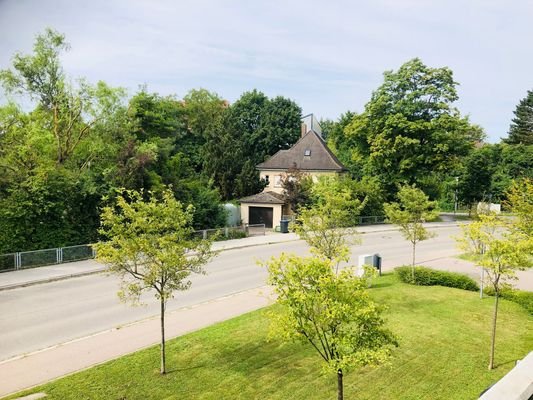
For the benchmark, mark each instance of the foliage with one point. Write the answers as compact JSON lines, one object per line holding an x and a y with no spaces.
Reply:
{"x":327,"y":225}
{"x":332,"y":312}
{"x":296,"y":188}
{"x":233,"y":359}
{"x":410,"y":129}
{"x":151,"y":247}
{"x":521,"y":129}
{"x":522,"y":297}
{"x":424,"y":276}
{"x":412,"y":210}
{"x":520,"y":202}
{"x":48,"y":210}
{"x":501,"y":250}
{"x":488,"y":172}
{"x":334,"y":132}
{"x":54,"y":159}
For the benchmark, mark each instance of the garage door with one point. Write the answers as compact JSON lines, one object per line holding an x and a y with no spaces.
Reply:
{"x":261,"y":215}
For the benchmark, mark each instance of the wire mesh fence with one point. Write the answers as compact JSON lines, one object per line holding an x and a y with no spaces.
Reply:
{"x":233,"y":232}
{"x":40,"y":258}
{"x":37,"y":258}
{"x":256,"y":229}
{"x":372,"y":219}
{"x":77,"y":253}
{"x":7,"y":262}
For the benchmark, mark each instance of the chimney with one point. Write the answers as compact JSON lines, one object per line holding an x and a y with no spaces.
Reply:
{"x":304,"y":129}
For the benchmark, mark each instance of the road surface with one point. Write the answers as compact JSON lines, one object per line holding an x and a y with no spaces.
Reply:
{"x":40,"y":316}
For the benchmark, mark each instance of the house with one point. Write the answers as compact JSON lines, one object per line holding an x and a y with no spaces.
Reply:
{"x":310,"y":155}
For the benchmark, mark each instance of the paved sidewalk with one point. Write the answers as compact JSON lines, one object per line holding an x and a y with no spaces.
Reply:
{"x":32,"y":276}
{"x":42,"y":366}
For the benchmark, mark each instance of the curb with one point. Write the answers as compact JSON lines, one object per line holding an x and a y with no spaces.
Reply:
{"x":103,"y":269}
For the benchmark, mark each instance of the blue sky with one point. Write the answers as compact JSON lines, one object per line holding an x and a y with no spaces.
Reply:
{"x":327,"y":56}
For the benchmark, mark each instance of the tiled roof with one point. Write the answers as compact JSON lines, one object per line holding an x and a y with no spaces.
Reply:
{"x":320,"y":158}
{"x":264,"y":197}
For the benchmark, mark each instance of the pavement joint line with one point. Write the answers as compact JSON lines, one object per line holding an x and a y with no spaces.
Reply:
{"x":140,"y":321}
{"x":103,"y":269}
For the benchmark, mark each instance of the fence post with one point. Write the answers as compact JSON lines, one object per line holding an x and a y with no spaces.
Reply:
{"x":204,"y":234}
{"x":226,"y":231}
{"x":93,"y":251}
{"x":59,"y":255}
{"x":17,"y":260}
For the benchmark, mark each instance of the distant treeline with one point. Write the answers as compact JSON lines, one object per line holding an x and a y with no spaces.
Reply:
{"x":63,"y":160}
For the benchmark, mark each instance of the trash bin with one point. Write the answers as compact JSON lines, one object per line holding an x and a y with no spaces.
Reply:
{"x":284,"y":226}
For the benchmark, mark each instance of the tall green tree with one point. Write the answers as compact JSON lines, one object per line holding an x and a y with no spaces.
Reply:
{"x":333,"y":313}
{"x":410,"y":129}
{"x":409,"y":213}
{"x":253,"y":128}
{"x":55,"y":159}
{"x":150,"y":245}
{"x":505,"y":250}
{"x":71,"y":111}
{"x":342,"y":144}
{"x":521,"y":130}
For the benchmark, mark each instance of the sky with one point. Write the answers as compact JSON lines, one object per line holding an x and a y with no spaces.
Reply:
{"x":328,"y":56}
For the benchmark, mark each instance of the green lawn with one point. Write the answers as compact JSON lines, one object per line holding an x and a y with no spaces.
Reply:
{"x":444,"y":343}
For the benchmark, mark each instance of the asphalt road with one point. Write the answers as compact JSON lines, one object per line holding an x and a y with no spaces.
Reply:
{"x":41,"y":316}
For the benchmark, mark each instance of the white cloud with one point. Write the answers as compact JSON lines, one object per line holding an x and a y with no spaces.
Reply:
{"x":327,"y":56}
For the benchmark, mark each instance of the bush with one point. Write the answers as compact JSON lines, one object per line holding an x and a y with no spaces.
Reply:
{"x":525,"y":299}
{"x":430,"y":277}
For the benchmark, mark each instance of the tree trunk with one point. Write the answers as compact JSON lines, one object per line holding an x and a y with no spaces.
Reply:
{"x":163,"y":356}
{"x":493,"y":336}
{"x":340,"y":388}
{"x":413,"y":264}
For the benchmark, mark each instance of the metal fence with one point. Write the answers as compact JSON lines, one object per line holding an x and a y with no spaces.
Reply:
{"x":234,"y":232}
{"x":371,"y":220}
{"x":39,"y":258}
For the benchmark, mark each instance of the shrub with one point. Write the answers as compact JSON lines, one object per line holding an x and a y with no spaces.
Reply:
{"x":430,"y":277}
{"x":525,"y":299}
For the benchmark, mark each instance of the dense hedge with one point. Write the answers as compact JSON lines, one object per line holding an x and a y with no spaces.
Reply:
{"x":525,"y":299}
{"x":431,"y":277}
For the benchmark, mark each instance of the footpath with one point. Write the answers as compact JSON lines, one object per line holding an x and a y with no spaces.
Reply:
{"x":36,"y":368}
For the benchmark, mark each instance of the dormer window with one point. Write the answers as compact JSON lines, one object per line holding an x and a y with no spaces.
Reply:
{"x":307,"y":152}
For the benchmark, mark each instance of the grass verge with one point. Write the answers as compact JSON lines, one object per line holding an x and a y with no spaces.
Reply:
{"x":443,"y":354}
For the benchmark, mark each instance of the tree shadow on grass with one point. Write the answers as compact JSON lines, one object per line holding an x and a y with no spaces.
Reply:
{"x":189,"y":368}
{"x":496,"y":366}
{"x":380,"y":285}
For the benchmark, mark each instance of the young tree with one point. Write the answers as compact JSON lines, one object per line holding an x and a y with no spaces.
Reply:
{"x":521,"y":130}
{"x":412,"y":210}
{"x":503,"y":253}
{"x":327,"y":225}
{"x":150,"y":245}
{"x":333,"y":313}
{"x":296,"y":186}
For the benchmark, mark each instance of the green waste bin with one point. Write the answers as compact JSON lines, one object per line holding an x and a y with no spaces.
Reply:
{"x":284,"y":226}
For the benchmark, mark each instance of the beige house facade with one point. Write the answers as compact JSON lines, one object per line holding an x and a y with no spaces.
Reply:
{"x":310,"y":155}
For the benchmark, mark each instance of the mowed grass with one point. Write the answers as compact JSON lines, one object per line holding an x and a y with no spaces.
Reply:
{"x":443,"y":354}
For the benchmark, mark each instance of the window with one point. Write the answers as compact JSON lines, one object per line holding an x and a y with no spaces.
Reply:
{"x":277,"y":181}
{"x":307,"y":152}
